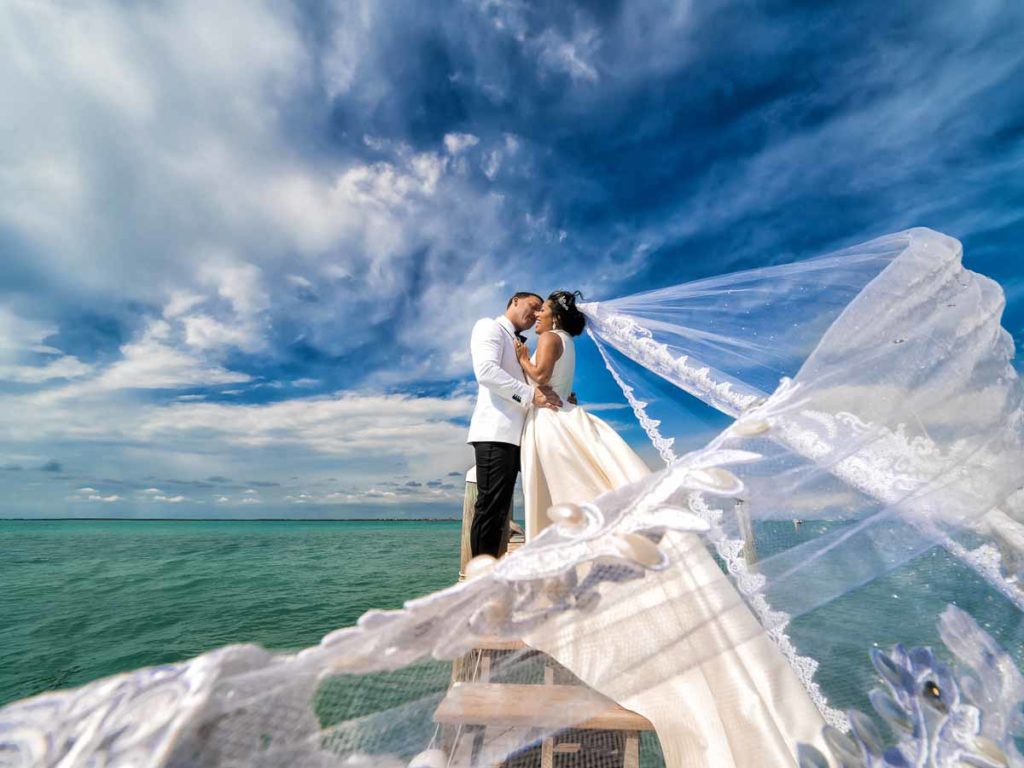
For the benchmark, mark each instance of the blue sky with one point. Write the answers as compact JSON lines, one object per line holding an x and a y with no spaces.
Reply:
{"x":242,"y":243}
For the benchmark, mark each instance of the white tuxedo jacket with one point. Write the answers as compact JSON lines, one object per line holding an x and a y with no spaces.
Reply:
{"x":504,"y":397}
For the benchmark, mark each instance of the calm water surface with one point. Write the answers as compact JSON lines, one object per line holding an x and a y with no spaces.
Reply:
{"x":85,"y":599}
{"x":81,"y":600}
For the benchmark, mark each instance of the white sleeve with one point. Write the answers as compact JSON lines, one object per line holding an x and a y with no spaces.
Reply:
{"x":485,"y":347}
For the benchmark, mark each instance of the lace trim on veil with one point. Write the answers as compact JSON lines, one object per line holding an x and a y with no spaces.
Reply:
{"x":890,"y":467}
{"x":625,"y":333}
{"x":893,"y":467}
{"x":731,"y":552}
{"x":650,"y":426}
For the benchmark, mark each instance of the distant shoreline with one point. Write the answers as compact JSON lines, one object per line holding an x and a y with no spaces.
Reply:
{"x":233,"y":519}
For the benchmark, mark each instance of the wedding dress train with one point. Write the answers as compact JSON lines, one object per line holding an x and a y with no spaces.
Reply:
{"x":681,"y":647}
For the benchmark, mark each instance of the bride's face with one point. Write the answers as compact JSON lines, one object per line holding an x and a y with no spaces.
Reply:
{"x":545,"y":319}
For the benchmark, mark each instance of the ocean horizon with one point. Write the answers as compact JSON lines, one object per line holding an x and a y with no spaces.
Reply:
{"x":237,"y":519}
{"x":84,"y":599}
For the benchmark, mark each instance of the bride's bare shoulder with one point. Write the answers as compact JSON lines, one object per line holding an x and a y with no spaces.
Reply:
{"x":551,"y":340}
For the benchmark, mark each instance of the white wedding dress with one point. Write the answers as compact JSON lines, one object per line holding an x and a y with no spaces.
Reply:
{"x":570,"y":455}
{"x":703,"y":670}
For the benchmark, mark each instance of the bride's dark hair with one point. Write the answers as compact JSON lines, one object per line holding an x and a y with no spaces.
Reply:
{"x":570,"y":319}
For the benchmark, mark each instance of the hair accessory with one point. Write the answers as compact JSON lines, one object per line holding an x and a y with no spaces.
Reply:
{"x":563,"y":301}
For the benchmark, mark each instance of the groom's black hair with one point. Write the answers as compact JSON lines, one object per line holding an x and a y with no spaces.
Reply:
{"x":523,"y":295}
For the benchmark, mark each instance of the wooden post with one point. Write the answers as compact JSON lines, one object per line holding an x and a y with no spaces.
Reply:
{"x":468,"y":511}
{"x":746,"y":531}
{"x":468,"y":508}
{"x":631,"y":750}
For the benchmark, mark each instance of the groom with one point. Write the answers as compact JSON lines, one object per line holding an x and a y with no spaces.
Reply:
{"x":496,"y":428}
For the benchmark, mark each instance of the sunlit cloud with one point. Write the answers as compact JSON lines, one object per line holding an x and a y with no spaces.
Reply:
{"x":246,"y":240}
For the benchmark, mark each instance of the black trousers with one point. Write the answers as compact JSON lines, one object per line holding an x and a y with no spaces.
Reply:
{"x":497,"y":465}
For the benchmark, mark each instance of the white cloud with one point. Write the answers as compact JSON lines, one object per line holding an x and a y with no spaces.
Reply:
{"x":19,"y":334}
{"x":455,"y":143}
{"x":203,"y":332}
{"x":571,"y":52}
{"x":86,"y":84}
{"x":64,"y":367}
{"x":598,"y":407}
{"x":345,"y":425}
{"x":219,"y":217}
{"x":350,"y":40}
{"x":299,"y":281}
{"x":367,"y":440}
{"x":241,"y":284}
{"x":103,"y":499}
{"x":181,"y":302}
{"x":491,"y":164}
{"x":569,"y":56}
{"x":25,"y":359}
{"x":152,"y":362}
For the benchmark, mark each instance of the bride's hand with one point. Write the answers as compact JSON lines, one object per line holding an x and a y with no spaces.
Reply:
{"x":521,"y":351}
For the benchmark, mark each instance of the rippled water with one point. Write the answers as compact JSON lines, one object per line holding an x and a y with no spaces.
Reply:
{"x":84,"y":599}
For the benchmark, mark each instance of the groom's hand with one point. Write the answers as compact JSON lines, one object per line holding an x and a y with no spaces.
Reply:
{"x":545,"y":397}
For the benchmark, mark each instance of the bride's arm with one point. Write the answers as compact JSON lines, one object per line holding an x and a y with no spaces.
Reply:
{"x":549,"y":349}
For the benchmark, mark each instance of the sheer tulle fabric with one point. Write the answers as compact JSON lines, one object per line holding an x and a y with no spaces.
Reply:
{"x":848,"y":503}
{"x":906,"y":411}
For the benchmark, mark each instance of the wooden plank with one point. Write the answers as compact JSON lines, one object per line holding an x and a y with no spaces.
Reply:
{"x":498,"y":644}
{"x":631,"y":753}
{"x":547,"y":753}
{"x":536,"y":706}
{"x":484,"y":673}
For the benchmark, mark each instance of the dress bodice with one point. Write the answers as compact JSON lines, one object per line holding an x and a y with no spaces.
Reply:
{"x":565,"y":367}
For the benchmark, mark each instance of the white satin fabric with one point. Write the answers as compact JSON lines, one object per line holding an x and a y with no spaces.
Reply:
{"x":569,"y":455}
{"x":680,"y":646}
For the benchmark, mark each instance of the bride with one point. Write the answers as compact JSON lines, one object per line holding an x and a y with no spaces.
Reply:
{"x":586,"y":456}
{"x":701,"y":669}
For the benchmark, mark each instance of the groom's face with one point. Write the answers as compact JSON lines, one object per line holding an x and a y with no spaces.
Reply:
{"x":523,"y":312}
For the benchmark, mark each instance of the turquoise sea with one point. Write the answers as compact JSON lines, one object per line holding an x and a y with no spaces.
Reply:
{"x":82,"y":599}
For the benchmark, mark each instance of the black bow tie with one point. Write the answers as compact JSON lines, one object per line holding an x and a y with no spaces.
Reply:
{"x":520,"y":337}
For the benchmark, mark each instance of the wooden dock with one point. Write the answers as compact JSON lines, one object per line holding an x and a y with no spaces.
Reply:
{"x":493,"y":716}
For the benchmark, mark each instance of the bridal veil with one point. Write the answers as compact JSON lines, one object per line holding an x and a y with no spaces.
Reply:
{"x":858,"y":521}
